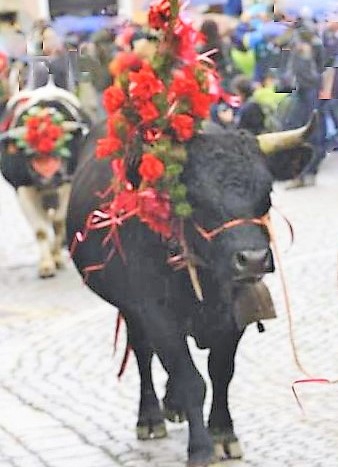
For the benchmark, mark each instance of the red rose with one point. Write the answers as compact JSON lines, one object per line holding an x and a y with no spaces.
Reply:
{"x":148,"y":112}
{"x":200,"y":103}
{"x":119,"y":170}
{"x":183,"y":125}
{"x":45,"y":145}
{"x":159,"y":15}
{"x":144,"y":84}
{"x":107,"y":146}
{"x":151,"y":168}
{"x":113,"y":98}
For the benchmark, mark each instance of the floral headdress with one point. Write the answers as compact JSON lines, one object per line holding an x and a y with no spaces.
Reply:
{"x":43,"y":133}
{"x":151,"y":112}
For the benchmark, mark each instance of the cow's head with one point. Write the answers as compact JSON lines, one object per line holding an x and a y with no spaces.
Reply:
{"x":228,"y":178}
{"x":43,"y":169}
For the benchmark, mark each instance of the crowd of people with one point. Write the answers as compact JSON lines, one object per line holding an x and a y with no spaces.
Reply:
{"x":275,"y":70}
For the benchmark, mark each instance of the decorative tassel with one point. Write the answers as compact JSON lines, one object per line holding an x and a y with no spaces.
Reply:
{"x":260,"y":326}
{"x":195,"y":281}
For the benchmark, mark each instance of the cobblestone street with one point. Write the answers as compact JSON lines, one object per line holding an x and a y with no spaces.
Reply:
{"x":61,"y":404}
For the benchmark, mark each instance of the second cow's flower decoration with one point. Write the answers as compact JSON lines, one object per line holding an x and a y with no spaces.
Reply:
{"x":44,"y":134}
{"x":152,"y":112}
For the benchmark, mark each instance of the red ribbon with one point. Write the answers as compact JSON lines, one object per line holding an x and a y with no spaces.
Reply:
{"x":228,"y":225}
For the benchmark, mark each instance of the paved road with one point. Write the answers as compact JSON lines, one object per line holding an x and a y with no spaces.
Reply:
{"x":62,"y":406}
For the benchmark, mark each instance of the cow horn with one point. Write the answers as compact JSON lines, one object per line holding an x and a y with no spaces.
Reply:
{"x":273,"y":142}
{"x":195,"y":281}
{"x":73,"y":126}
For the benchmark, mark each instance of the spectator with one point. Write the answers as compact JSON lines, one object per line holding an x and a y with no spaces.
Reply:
{"x":305,"y":68}
{"x":222,"y":54}
{"x":250,"y":115}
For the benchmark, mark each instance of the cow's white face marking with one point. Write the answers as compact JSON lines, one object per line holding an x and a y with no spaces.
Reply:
{"x":49,"y":227}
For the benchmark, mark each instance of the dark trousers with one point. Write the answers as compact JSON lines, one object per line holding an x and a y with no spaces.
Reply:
{"x":309,"y":102}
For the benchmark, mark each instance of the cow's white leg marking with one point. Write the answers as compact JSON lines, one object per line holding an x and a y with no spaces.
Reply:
{"x":59,"y":224}
{"x":31,"y":202}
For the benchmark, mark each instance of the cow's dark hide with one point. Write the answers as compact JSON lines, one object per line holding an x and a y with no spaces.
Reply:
{"x":16,"y":168}
{"x":227,"y":178}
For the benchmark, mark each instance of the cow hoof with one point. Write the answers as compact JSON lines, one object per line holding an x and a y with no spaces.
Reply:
{"x":146,"y":432}
{"x":174,"y":416}
{"x":233,"y":449}
{"x":46,"y":271}
{"x":219,"y":455}
{"x":226,"y":446}
{"x":59,"y":261}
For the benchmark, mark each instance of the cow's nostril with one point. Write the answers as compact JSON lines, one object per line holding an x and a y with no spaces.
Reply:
{"x":252,"y":261}
{"x":242,"y":259}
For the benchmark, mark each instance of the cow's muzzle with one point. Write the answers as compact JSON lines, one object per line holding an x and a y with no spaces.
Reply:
{"x":252,"y":264}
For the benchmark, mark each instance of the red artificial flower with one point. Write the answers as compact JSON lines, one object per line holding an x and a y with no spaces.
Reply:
{"x":107,"y":146}
{"x":187,"y":38}
{"x":144,"y":84}
{"x":152,"y":134}
{"x":183,"y":125}
{"x":183,"y":83}
{"x":113,"y":98}
{"x":32,"y":136}
{"x":124,"y":61}
{"x":33,"y":122}
{"x":159,"y":14}
{"x":54,"y":132}
{"x":151,"y":168}
{"x":148,"y":112}
{"x":45,"y":145}
{"x":119,"y":170}
{"x":200,"y":103}
{"x":155,"y":211}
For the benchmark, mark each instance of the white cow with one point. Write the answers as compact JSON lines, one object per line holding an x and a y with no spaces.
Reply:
{"x":43,"y":199}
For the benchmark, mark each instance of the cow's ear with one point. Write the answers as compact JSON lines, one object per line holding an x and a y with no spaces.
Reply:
{"x":289,"y":163}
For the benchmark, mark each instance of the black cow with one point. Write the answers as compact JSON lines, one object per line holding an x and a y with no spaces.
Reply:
{"x":227,"y":178}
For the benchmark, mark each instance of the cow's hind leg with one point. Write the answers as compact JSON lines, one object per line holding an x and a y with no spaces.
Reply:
{"x":150,"y":424}
{"x":221,"y":370}
{"x":31,"y":204}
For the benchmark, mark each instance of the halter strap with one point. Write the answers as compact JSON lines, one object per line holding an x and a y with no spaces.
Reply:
{"x":210,"y":235}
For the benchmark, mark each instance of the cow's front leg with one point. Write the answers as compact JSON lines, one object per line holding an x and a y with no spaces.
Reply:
{"x":47,"y":267}
{"x":221,"y":369}
{"x":171,"y":347}
{"x":59,"y":224}
{"x":59,"y":232}
{"x":31,"y":204}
